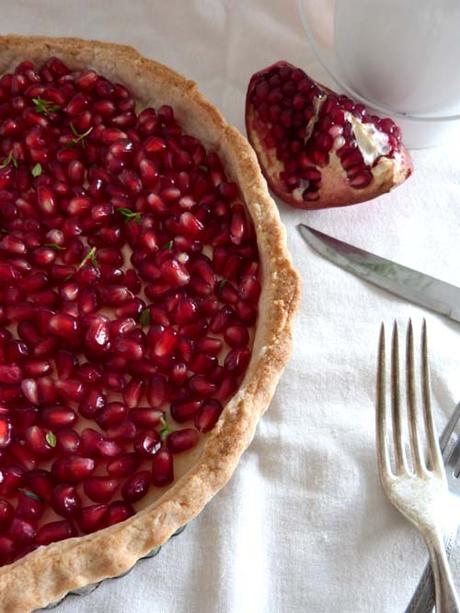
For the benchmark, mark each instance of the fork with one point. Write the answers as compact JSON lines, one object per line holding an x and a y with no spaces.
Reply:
{"x":419,"y":492}
{"x":422,"y":600}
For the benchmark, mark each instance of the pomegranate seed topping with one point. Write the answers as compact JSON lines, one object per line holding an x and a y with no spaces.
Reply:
{"x":113,"y":313}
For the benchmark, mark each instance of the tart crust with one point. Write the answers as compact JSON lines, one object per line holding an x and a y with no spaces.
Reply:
{"x":48,"y":573}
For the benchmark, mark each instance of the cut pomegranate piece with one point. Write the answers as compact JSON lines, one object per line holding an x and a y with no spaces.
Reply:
{"x":317,"y":148}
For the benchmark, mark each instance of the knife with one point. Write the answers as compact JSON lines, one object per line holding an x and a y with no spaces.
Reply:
{"x":413,"y":285}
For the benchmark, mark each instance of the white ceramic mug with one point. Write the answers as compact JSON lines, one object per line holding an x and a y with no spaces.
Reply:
{"x":401,"y":54}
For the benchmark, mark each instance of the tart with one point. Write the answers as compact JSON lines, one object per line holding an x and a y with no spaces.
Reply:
{"x":146,"y":303}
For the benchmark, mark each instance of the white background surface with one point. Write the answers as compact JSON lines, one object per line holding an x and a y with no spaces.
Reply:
{"x":303,"y":525}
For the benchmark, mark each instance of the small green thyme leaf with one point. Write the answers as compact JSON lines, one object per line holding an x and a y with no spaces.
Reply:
{"x":90,"y":256}
{"x":44,"y":107}
{"x":144,"y":318}
{"x":51,"y":439}
{"x":10,"y":159}
{"x":169,"y":245}
{"x":221,"y":284}
{"x":80,"y":137}
{"x":128,"y":214}
{"x":37,"y":170}
{"x":55,"y":246}
{"x":165,"y":429}
{"x":28,"y":493}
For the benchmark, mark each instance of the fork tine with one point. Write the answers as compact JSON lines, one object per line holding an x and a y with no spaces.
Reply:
{"x":400,"y":459}
{"x":381,"y":413}
{"x":434,"y":453}
{"x":414,"y":426}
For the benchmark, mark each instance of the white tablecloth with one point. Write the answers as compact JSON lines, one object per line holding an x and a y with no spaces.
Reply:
{"x":303,"y":524}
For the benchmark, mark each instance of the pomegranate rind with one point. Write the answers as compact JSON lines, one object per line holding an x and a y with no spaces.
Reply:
{"x":50,"y":572}
{"x":335,"y":190}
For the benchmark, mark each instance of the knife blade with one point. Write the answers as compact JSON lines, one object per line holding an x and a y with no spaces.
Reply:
{"x":407,"y":283}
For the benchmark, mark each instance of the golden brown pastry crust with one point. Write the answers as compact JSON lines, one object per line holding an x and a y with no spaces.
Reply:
{"x":50,"y":572}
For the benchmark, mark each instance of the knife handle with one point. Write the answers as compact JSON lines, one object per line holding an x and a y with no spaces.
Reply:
{"x":423,"y":599}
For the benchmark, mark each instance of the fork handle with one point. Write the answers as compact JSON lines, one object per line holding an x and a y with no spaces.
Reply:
{"x":445,"y":593}
{"x":422,"y":600}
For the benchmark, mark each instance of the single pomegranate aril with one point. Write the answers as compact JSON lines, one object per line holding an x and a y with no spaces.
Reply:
{"x":21,"y":530}
{"x":118,"y":511}
{"x":146,"y":417}
{"x":300,"y":130}
{"x":55,"y":531}
{"x":100,"y":489}
{"x":65,"y":500}
{"x":92,"y":518}
{"x":73,"y":468}
{"x":111,"y":415}
{"x":29,"y":506}
{"x":133,"y":392}
{"x":58,"y":416}
{"x":182,"y":440}
{"x":183,"y":410}
{"x":162,"y":468}
{"x":147,"y":443}
{"x":39,"y":482}
{"x":123,"y":466}
{"x":6,"y":513}
{"x":136,"y":487}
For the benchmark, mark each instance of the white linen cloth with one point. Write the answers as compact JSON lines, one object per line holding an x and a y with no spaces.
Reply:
{"x":304,"y":524}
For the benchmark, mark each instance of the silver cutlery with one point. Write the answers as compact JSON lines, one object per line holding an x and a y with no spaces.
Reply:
{"x":423,"y":599}
{"x":415,"y":286}
{"x":417,"y":488}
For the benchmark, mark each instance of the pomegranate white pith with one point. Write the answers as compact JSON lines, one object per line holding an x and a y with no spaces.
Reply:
{"x":319,"y":149}
{"x":128,"y":296}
